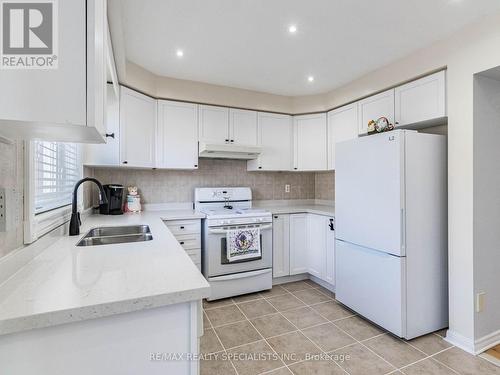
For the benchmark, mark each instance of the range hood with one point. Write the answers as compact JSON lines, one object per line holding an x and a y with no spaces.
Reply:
{"x":229,"y":151}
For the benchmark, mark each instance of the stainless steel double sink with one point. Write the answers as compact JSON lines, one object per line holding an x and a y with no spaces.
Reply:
{"x":116,"y":235}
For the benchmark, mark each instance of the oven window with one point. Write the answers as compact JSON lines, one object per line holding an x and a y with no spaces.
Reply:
{"x":223,"y":253}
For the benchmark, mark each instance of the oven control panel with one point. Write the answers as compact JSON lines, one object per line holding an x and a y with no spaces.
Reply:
{"x":220,"y":194}
{"x":240,"y":221}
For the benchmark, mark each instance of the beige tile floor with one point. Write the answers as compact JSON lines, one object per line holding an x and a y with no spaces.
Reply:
{"x":298,"y":328}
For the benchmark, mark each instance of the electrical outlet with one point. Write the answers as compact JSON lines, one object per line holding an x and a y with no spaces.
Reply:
{"x":3,"y":203}
{"x":480,"y":300}
{"x":287,"y":188}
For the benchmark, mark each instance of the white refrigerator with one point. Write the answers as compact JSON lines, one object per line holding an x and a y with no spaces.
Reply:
{"x":391,"y":230}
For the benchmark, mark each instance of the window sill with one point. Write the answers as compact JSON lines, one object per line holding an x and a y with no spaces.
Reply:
{"x":45,"y":222}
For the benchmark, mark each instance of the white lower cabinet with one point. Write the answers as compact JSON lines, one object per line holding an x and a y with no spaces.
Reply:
{"x":330,"y":251}
{"x":188,"y":233}
{"x":316,"y":245}
{"x":298,"y":244}
{"x":281,"y":245}
{"x":304,"y":243}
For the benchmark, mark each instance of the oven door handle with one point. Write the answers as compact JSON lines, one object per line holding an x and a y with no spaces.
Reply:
{"x":242,"y":275}
{"x":223,"y":231}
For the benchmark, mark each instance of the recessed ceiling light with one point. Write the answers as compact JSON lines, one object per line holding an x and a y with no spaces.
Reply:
{"x":310,"y":79}
{"x":292,"y":29}
{"x":179,"y":53}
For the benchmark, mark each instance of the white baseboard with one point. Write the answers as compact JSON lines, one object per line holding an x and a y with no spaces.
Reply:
{"x":289,"y":279}
{"x":460,"y":341}
{"x":324,"y":284}
{"x":486,"y":342}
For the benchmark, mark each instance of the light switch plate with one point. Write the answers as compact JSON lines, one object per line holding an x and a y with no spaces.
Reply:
{"x":3,"y":210}
{"x":480,"y":297}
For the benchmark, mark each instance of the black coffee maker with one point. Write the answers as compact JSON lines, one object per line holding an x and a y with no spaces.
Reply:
{"x":114,"y":194}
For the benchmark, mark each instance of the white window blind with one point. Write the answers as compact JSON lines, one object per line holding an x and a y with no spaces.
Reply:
{"x":56,"y":170}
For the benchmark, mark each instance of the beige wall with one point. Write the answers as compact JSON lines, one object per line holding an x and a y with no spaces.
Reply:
{"x":172,"y":88}
{"x":165,"y":186}
{"x":11,"y":178}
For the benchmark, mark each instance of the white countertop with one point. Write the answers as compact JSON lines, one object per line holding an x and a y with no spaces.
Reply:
{"x":296,"y":208}
{"x":67,"y":284}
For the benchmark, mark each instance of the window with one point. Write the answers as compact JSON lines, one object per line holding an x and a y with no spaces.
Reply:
{"x":52,"y":169}
{"x":57,"y":169}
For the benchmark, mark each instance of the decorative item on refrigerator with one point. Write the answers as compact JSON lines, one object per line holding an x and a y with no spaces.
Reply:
{"x":243,"y":244}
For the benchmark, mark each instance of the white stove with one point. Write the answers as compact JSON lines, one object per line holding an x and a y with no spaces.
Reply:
{"x":228,"y":210}
{"x":229,"y":206}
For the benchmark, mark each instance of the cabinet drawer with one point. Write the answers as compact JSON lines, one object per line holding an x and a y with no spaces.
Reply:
{"x":191,"y":241}
{"x":180,"y":227}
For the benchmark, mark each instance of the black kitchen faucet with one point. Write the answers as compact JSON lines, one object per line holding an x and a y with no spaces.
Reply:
{"x":75,"y":222}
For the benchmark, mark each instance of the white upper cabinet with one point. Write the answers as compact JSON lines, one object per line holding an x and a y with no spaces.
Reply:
{"x":243,"y":127}
{"x":298,"y":244}
{"x":310,"y":142}
{"x":420,"y":101}
{"x":213,"y":124}
{"x":342,"y":126}
{"x":177,"y":135}
{"x":66,"y":103}
{"x":107,"y":154}
{"x":137,"y":129}
{"x":222,"y":125}
{"x":275,"y":136}
{"x":374,"y":107}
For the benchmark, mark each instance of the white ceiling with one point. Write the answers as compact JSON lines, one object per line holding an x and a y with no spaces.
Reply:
{"x":246,"y":43}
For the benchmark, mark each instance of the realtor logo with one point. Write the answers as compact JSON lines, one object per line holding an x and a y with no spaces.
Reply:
{"x":29,"y":34}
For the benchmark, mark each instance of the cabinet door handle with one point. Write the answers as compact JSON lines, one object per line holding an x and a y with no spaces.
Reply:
{"x":182,"y":242}
{"x":196,"y":165}
{"x":260,"y":167}
{"x":331,"y":225}
{"x":276,"y":217}
{"x":232,"y":140}
{"x":110,"y":135}
{"x":181,"y":227}
{"x":227,"y":140}
{"x":125,"y":162}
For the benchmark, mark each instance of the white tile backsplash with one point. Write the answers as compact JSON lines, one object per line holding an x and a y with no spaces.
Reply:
{"x":11,"y":178}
